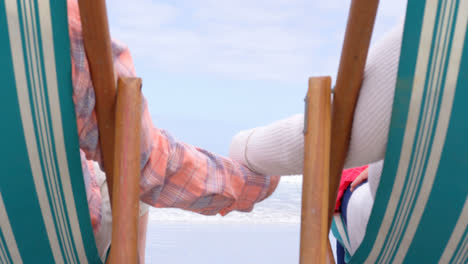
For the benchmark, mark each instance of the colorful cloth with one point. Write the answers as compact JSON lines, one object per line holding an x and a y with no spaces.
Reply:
{"x":347,"y":177}
{"x":173,"y":174}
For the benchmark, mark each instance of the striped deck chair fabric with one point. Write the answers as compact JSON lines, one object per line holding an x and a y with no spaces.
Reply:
{"x":44,"y":214}
{"x":420,"y":214}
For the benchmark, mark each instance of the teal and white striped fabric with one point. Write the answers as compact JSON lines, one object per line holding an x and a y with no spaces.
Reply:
{"x":44,"y":214}
{"x":420,"y":214}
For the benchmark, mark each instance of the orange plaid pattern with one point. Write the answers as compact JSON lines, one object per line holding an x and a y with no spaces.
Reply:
{"x":173,"y":174}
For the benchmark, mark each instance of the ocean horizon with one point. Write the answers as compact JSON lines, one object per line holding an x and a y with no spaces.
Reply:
{"x":268,"y":234}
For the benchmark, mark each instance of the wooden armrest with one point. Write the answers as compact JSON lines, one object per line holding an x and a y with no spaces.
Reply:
{"x":125,"y":209}
{"x":314,"y":220}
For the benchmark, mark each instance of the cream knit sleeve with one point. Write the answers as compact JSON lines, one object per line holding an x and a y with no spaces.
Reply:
{"x":277,"y":149}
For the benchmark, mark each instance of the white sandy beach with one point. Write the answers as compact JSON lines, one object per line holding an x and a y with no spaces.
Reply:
{"x":269,"y":234}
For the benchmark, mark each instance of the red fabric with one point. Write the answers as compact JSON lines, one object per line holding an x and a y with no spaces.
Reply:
{"x":347,"y":177}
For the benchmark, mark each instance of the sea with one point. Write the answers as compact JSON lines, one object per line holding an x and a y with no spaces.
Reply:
{"x":268,"y":234}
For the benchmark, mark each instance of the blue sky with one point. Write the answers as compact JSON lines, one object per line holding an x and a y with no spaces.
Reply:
{"x":213,"y":67}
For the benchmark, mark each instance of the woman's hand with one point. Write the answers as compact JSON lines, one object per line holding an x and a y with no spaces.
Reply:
{"x":360,"y":179}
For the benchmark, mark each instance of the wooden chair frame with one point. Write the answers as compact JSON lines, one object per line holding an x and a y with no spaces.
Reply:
{"x":119,"y":120}
{"x":323,"y":161}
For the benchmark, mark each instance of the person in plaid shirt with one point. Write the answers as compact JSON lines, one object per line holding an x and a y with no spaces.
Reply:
{"x":173,"y":174}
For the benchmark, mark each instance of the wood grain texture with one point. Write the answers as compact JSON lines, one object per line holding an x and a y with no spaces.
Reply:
{"x":349,"y":79}
{"x":330,"y":256}
{"x":97,"y":44}
{"x":314,"y":217}
{"x":125,"y":212}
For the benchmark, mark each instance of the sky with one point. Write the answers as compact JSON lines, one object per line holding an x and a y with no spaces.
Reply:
{"x":211,"y":68}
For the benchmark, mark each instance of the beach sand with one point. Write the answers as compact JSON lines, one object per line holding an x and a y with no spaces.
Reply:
{"x":269,"y":234}
{"x":223,"y":243}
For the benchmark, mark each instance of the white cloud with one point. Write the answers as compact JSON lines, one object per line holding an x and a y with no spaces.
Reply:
{"x":143,"y":15}
{"x":285,"y":40}
{"x":392,"y":8}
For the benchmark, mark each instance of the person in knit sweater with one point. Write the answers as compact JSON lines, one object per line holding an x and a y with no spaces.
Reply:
{"x":278,"y":148}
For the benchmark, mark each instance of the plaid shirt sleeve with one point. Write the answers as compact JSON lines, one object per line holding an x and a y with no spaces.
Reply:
{"x":174,"y":174}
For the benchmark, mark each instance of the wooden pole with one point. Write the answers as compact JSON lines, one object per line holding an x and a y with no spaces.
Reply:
{"x":125,"y":212}
{"x":314,"y":225}
{"x":350,"y":73}
{"x":97,"y":44}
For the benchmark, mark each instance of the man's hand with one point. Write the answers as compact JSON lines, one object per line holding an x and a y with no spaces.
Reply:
{"x":361,"y":178}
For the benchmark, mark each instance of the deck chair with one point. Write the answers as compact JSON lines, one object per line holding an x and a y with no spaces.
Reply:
{"x":44,"y":215}
{"x":420,"y":212}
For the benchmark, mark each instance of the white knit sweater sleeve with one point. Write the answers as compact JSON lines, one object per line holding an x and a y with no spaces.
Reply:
{"x":277,"y":149}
